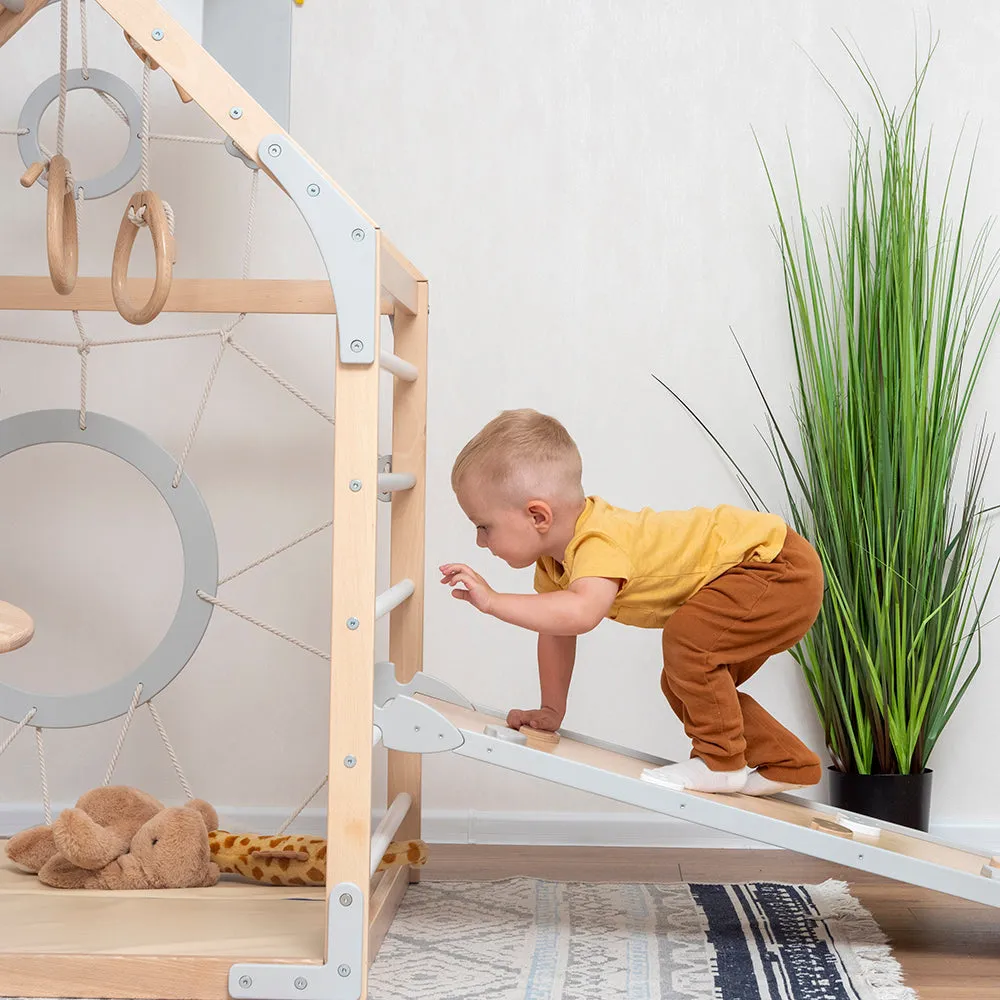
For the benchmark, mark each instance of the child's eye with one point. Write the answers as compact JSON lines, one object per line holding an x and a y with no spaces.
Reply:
{"x":480,"y":527}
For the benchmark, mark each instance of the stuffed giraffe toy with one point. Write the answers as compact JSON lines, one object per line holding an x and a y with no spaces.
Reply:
{"x":296,"y":860}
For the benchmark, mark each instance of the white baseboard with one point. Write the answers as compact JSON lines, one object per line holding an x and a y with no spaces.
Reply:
{"x":460,"y":826}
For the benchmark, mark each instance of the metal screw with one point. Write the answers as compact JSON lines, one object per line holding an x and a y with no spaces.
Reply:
{"x":357,"y":346}
{"x":235,"y":112}
{"x":300,"y":983}
{"x":349,"y":761}
{"x":416,"y":729}
{"x":358,"y":235}
{"x":355,"y":485}
{"x":346,"y":899}
{"x":352,"y":623}
{"x":157,"y":34}
{"x":313,"y":190}
{"x":343,"y":971}
{"x":274,"y":149}
{"x":245,"y":982}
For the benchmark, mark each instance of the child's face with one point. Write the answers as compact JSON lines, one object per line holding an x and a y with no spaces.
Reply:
{"x":515,"y":534}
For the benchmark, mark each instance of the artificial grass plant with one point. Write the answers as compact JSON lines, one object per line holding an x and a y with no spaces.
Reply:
{"x":887,"y":320}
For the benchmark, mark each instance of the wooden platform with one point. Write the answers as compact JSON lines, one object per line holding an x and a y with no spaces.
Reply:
{"x":163,"y":945}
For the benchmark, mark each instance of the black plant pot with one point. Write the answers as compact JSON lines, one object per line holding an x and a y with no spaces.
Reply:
{"x":897,"y":798}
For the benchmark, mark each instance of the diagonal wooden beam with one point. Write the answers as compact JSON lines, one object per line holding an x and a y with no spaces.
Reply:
{"x":11,"y":23}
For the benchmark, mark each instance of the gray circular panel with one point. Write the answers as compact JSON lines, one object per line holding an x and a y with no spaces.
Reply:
{"x":106,"y":83}
{"x":201,"y":567}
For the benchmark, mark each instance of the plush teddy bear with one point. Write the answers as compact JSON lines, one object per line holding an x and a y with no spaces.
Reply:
{"x":121,"y":838}
{"x":169,"y":851}
{"x":92,"y":835}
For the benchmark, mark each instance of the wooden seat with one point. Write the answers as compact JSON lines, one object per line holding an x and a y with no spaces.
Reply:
{"x":16,"y":627}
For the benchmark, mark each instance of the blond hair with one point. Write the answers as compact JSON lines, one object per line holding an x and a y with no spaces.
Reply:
{"x":523,"y":454}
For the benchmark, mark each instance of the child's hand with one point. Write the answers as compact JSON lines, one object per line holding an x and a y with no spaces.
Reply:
{"x":538,"y":718}
{"x":477,"y":591}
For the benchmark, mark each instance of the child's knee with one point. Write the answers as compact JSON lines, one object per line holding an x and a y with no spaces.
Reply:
{"x":677,"y":649}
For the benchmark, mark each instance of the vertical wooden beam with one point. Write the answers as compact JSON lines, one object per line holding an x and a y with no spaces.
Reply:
{"x":409,"y":454}
{"x":352,"y":666}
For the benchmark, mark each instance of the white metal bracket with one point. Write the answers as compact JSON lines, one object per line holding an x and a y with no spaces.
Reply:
{"x":346,"y":242}
{"x":386,"y":687}
{"x":415,"y":727}
{"x":384,"y":467}
{"x":338,"y":979}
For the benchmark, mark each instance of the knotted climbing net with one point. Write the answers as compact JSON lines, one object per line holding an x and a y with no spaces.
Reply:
{"x":137,"y":216}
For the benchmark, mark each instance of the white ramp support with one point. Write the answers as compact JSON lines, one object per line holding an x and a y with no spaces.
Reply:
{"x":414,"y":727}
{"x":786,"y":821}
{"x":386,"y":687}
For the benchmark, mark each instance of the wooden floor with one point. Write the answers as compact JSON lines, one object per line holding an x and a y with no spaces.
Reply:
{"x":949,"y":949}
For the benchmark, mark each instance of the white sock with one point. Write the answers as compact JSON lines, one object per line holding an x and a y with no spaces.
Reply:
{"x":696,"y":776}
{"x":757,"y":784}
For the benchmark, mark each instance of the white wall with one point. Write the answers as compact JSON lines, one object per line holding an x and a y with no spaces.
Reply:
{"x":581,"y":185}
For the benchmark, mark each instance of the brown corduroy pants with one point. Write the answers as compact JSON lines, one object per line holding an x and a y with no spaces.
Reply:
{"x":721,"y":637}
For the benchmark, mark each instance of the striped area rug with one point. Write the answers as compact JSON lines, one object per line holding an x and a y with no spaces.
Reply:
{"x":526,"y":939}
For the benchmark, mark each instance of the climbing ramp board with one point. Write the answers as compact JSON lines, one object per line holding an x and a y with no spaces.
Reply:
{"x":786,"y":821}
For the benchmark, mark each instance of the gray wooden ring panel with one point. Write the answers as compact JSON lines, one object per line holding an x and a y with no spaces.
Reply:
{"x":106,"y":83}
{"x":201,"y":567}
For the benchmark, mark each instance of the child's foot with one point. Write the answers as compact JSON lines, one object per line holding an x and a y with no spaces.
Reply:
{"x":694,"y":775}
{"x":757,"y":784}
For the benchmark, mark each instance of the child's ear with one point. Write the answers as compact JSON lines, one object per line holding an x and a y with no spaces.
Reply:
{"x":541,"y":515}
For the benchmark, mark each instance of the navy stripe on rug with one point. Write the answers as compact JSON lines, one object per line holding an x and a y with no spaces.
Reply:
{"x":769,"y":943}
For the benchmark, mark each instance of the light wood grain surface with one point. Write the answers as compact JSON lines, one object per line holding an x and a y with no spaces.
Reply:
{"x":16,"y":627}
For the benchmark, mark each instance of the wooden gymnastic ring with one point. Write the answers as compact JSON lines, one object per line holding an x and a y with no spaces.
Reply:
{"x":163,"y":246}
{"x":60,"y":227}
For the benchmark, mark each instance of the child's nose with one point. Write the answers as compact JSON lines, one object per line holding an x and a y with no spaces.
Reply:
{"x":481,"y":542}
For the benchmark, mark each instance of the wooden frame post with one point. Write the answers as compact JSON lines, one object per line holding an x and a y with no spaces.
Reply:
{"x":352,"y":645}
{"x":409,"y":454}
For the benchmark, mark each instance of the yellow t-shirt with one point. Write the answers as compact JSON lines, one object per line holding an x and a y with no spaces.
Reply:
{"x":662,"y":557}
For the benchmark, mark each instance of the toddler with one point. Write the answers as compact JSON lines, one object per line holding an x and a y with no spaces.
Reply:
{"x":728,"y":587}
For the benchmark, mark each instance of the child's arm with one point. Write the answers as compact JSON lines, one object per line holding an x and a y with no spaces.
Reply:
{"x":556,"y":655}
{"x":573,"y":611}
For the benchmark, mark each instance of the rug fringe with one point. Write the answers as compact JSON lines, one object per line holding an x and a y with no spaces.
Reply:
{"x":881,"y":970}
